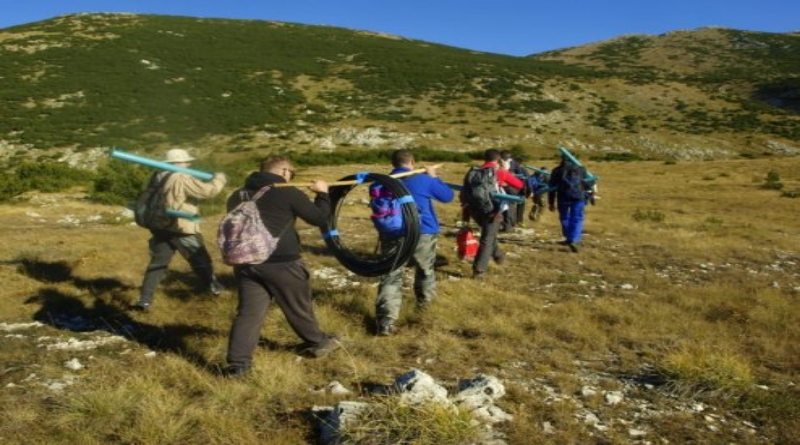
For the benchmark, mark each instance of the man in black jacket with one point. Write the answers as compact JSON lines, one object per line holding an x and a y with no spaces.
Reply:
{"x":283,"y":277}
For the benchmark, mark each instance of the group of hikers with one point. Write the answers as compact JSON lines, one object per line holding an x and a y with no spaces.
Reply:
{"x":284,"y":277}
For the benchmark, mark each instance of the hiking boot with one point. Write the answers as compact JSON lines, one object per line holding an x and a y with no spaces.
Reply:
{"x":423,"y":305}
{"x":215,"y":288}
{"x":478,"y":276}
{"x":237,"y":372}
{"x":385,"y":327}
{"x":573,"y":247}
{"x":563,"y":243}
{"x":387,"y":330}
{"x":140,"y":306}
{"x":323,"y":348}
{"x":500,"y":260}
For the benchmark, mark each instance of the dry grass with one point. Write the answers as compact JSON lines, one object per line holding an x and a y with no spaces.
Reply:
{"x":696,"y":306}
{"x":388,"y":420}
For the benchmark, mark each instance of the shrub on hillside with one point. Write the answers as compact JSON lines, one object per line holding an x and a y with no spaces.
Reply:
{"x":10,"y":187}
{"x":423,"y":155}
{"x":703,"y":368}
{"x":772,"y":181}
{"x":52,"y":176}
{"x":619,"y":157}
{"x":48,"y":177}
{"x":649,"y":215}
{"x":118,"y":183}
{"x":790,"y":194}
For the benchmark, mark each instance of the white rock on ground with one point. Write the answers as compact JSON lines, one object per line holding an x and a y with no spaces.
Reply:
{"x":416,"y":387}
{"x":74,"y":364}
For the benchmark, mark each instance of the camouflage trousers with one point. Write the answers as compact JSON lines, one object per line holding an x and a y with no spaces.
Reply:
{"x":390,"y":296}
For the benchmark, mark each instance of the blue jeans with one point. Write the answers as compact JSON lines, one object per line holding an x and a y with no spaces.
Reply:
{"x":570,"y":214}
{"x":387,"y":306}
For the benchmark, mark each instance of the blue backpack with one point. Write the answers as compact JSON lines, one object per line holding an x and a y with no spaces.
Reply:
{"x":538,"y":183}
{"x":387,"y":211}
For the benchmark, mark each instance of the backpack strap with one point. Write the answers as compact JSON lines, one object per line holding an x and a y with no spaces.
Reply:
{"x":161,"y":183}
{"x":257,"y":196}
{"x":261,"y":192}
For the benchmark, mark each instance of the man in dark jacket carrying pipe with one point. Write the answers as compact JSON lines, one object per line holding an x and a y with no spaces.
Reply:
{"x":283,"y":277}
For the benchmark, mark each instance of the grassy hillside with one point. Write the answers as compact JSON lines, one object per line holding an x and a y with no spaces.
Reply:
{"x":676,"y":323}
{"x":147,"y":79}
{"x":235,"y":87}
{"x":721,"y":79}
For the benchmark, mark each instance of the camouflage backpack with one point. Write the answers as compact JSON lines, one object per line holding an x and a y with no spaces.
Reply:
{"x":242,"y":236}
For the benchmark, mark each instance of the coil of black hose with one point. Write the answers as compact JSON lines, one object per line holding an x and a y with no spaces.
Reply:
{"x":385,"y":262}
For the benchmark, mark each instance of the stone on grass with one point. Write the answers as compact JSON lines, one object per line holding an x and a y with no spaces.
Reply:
{"x":416,"y":387}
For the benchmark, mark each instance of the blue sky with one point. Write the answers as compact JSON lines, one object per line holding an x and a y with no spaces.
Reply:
{"x":514,"y":27}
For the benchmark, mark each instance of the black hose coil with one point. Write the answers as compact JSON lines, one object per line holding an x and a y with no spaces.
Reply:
{"x":387,"y":261}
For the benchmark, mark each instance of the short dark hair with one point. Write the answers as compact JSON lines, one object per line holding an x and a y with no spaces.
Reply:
{"x":505,"y":154}
{"x":268,"y":164}
{"x":491,"y":155}
{"x":402,"y":157}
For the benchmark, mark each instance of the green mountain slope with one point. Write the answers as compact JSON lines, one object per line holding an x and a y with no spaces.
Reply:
{"x":145,"y":82}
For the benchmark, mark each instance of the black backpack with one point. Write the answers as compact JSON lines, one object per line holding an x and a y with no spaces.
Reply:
{"x":572,"y":184}
{"x":480,"y":185}
{"x":150,"y":210}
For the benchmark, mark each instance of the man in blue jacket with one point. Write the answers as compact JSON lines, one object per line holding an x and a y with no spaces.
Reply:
{"x":424,"y":188}
{"x":569,"y":189}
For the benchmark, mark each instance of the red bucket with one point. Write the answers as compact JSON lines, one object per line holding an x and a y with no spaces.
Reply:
{"x":467,"y":244}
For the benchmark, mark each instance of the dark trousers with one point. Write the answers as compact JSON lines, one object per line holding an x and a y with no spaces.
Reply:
{"x":163,"y":245}
{"x":258,"y":285}
{"x":538,"y":207}
{"x":511,"y":216}
{"x":488,"y":247}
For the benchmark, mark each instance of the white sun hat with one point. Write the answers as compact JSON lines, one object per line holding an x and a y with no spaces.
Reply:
{"x":178,"y":155}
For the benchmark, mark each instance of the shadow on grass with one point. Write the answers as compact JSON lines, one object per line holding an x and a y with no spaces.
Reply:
{"x":62,"y":272}
{"x":107,"y":312}
{"x":69,"y":313}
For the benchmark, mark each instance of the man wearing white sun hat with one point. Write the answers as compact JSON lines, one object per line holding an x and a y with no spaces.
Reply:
{"x":182,"y":192}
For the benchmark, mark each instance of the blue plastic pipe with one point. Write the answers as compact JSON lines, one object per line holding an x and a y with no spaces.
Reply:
{"x":537,"y":169}
{"x":497,"y":196}
{"x":181,"y":214}
{"x":565,"y":153}
{"x":119,"y":154}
